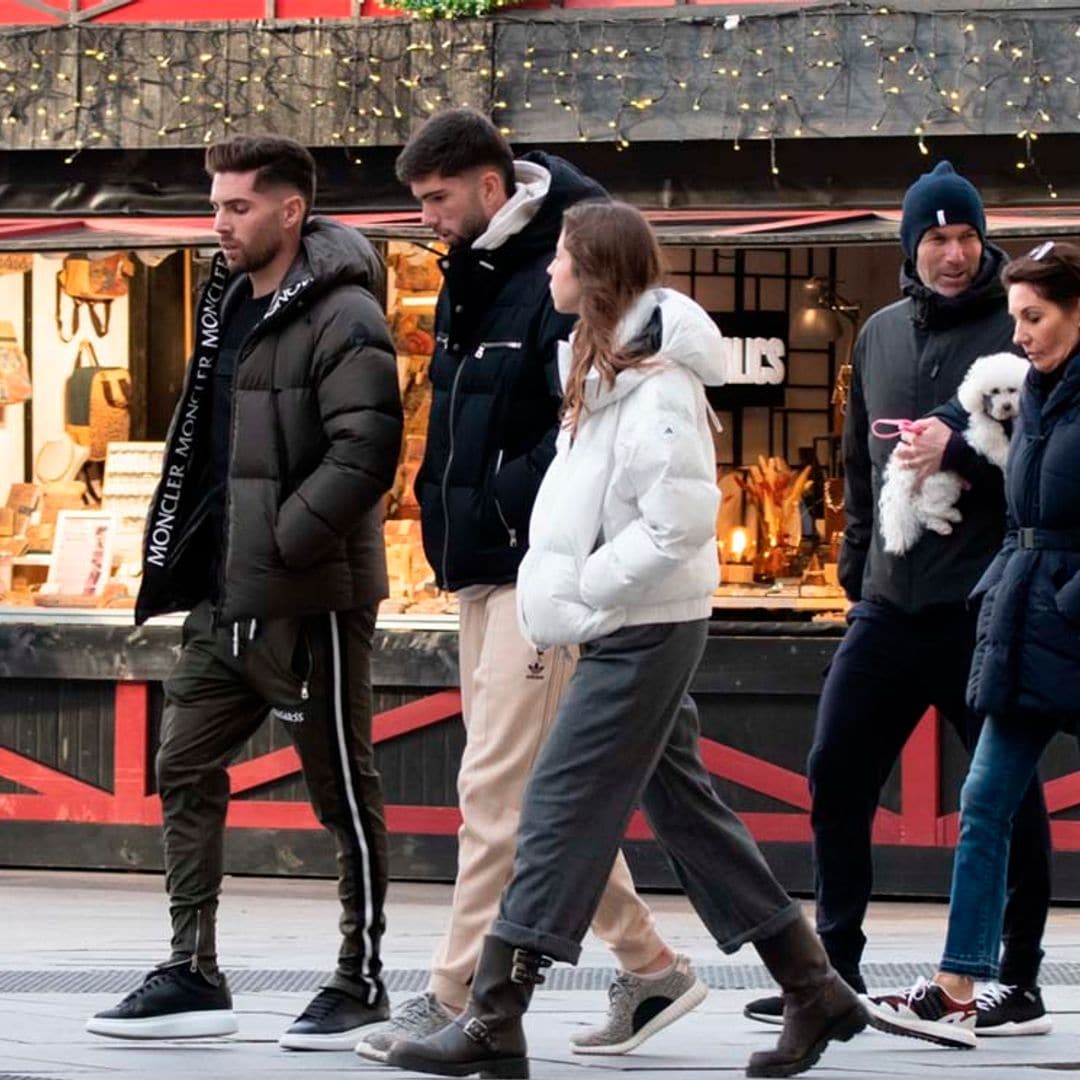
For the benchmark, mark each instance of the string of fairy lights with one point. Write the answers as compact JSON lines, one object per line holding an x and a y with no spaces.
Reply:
{"x":552,"y":77}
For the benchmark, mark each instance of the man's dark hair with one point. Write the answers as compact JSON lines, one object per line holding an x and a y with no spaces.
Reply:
{"x":274,"y":159}
{"x":453,"y":142}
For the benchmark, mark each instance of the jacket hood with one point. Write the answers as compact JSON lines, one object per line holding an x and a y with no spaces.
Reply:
{"x":679,"y":332}
{"x":334,"y":254}
{"x":932,"y":311}
{"x":540,"y":213}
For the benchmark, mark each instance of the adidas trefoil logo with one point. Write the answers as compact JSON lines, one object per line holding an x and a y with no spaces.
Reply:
{"x":535,"y":669}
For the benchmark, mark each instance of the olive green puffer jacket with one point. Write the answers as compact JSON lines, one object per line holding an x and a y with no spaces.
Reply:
{"x":315,"y":437}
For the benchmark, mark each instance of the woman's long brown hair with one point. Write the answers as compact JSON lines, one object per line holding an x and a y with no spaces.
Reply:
{"x":615,"y":258}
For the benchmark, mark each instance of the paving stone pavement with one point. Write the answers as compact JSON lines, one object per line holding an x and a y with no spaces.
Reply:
{"x":67,"y":928}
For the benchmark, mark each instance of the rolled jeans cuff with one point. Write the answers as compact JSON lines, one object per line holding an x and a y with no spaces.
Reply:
{"x":524,"y":937}
{"x":969,"y":966}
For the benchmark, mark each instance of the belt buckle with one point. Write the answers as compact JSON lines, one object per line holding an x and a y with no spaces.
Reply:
{"x":1027,"y":536}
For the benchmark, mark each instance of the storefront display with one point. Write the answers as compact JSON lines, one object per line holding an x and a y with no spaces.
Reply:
{"x":84,"y":459}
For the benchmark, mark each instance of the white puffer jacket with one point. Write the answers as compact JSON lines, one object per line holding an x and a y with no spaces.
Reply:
{"x":623,"y":529}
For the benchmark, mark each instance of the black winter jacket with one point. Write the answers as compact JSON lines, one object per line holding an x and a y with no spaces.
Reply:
{"x":909,"y":360}
{"x":1027,"y":656}
{"x":495,"y":399}
{"x":315,"y":438}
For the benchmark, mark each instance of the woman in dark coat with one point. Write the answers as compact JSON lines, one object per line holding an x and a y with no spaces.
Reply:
{"x":1025,"y":677}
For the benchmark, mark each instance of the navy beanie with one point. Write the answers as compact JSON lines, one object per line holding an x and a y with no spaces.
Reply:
{"x":941,"y":197}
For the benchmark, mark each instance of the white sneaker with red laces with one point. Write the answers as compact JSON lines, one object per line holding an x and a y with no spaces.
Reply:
{"x":925,"y":1011}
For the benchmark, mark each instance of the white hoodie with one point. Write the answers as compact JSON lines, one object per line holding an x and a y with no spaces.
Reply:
{"x":623,"y":529}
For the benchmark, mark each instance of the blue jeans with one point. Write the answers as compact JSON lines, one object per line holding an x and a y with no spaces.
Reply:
{"x":1004,"y":764}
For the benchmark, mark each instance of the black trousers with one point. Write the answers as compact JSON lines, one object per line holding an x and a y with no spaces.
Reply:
{"x":889,"y":668}
{"x":312,"y":674}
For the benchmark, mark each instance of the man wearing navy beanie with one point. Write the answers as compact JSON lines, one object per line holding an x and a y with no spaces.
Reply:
{"x":938,"y":198}
{"x":910,"y":636}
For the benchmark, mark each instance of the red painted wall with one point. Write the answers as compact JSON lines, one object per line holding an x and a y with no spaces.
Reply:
{"x":15,"y":12}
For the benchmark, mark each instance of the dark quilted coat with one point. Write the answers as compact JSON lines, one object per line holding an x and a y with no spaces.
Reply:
{"x":315,"y":438}
{"x":1027,"y":659}
{"x":495,"y":394}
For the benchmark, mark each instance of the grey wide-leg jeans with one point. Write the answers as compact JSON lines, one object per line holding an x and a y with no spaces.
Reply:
{"x":627,"y":732}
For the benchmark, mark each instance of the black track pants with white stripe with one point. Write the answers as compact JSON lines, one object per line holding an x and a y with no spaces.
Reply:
{"x":312,"y":677}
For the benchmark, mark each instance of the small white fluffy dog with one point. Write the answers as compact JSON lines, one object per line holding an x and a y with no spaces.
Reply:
{"x":990,"y":393}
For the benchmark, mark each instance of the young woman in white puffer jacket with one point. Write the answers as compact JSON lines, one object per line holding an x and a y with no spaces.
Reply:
{"x":622,"y":561}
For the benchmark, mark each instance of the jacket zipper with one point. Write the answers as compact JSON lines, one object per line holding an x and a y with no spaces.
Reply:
{"x":478,"y":354}
{"x":498,"y":506}
{"x":485,"y":345}
{"x":446,"y":478}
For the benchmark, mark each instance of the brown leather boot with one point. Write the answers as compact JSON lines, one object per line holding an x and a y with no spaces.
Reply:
{"x":818,"y":1005}
{"x":487,"y":1038}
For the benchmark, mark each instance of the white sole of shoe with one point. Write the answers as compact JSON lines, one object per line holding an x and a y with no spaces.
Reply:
{"x":679,"y":1007}
{"x":189,"y":1025}
{"x":370,"y":1053}
{"x":950,"y":1035}
{"x":1042,"y":1025}
{"x":339,"y":1040}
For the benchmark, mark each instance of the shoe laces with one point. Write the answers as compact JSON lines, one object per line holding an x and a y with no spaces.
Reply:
{"x":419,"y":1008}
{"x":993,"y":995}
{"x":917,"y":992}
{"x":323,"y":1004}
{"x":150,"y":981}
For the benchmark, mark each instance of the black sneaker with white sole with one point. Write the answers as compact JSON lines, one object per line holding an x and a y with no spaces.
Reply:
{"x":765,"y":1010}
{"x":172,"y":1002}
{"x":335,"y":1020}
{"x":1011,"y":1010}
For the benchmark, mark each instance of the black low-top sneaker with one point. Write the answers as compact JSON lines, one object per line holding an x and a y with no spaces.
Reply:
{"x":334,"y":1020}
{"x":1011,"y":1010}
{"x":765,"y":1010}
{"x":172,"y":1002}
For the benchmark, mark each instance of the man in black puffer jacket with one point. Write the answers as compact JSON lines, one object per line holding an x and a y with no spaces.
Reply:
{"x":491,"y":437}
{"x":911,"y":636}
{"x":267,"y":527}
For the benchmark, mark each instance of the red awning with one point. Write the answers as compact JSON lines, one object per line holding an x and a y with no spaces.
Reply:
{"x":704,"y":227}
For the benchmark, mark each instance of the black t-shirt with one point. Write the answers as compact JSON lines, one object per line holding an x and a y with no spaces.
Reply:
{"x":242,"y":320}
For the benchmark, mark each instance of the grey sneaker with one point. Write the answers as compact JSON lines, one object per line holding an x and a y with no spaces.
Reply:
{"x":414,"y":1019}
{"x":638,"y":1008}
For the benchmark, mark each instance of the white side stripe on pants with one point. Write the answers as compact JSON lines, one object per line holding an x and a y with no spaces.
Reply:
{"x":350,"y":793}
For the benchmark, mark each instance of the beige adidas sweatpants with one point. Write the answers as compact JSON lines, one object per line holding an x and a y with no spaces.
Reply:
{"x":509,"y":696}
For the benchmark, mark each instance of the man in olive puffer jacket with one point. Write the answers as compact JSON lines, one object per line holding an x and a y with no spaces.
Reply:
{"x":267,"y":527}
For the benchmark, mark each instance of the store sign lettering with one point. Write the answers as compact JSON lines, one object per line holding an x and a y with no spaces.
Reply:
{"x":754,"y":361}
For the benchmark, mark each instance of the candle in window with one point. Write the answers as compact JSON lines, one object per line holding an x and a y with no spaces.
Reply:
{"x":738,"y":545}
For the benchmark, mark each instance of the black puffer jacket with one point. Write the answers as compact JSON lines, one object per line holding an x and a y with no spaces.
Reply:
{"x":909,"y":360}
{"x":495,"y":400}
{"x":315,"y":437}
{"x":1027,"y":659}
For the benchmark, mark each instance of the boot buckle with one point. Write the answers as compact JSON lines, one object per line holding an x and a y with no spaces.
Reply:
{"x":525,"y":967}
{"x":475,"y":1029}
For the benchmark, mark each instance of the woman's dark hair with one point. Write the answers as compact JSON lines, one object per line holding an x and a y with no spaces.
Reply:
{"x":1052,"y":269}
{"x":453,"y":142}
{"x":274,"y":159}
{"x":615,"y":258}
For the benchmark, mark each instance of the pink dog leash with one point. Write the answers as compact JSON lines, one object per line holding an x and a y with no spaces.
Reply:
{"x":880,"y":428}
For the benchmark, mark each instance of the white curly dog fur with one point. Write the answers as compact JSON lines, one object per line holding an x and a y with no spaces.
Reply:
{"x":990,"y":392}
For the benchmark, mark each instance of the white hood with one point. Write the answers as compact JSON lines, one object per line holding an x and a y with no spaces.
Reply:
{"x":689,"y":338}
{"x":532,"y":183}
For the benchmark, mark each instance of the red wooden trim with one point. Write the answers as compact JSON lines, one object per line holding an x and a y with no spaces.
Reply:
{"x":46,"y":781}
{"x":422,"y":713}
{"x":756,"y":774}
{"x":920,"y":778}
